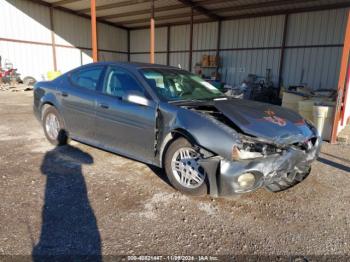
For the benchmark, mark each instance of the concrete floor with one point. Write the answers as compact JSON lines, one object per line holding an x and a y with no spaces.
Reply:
{"x":81,"y":200}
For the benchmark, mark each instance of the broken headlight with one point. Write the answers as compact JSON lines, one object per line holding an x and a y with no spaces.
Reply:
{"x":251,"y":149}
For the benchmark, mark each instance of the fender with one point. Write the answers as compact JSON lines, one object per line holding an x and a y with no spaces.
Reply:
{"x":173,"y":134}
{"x":210,"y":164}
{"x":49,"y":99}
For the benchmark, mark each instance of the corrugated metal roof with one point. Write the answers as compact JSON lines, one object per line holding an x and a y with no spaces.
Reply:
{"x":129,"y":13}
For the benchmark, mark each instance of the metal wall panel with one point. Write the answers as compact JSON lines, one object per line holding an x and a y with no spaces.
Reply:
{"x":179,"y":41}
{"x":238,"y":64}
{"x":317,"y":28}
{"x":180,"y":38}
{"x":254,"y":32}
{"x":316,"y":67}
{"x":197,"y":58}
{"x":72,"y":30}
{"x":24,"y":20}
{"x":68,"y":33}
{"x":112,"y":38}
{"x":320,"y":65}
{"x":179,"y":60}
{"x":69,"y":58}
{"x":140,"y":40}
{"x":205,"y":36}
{"x":86,"y":57}
{"x":144,"y":58}
{"x":29,"y":59}
{"x":108,"y":56}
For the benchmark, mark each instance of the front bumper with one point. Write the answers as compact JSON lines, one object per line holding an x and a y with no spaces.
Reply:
{"x":276,"y":173}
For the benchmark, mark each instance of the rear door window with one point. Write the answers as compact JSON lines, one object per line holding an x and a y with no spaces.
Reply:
{"x":87,"y":78}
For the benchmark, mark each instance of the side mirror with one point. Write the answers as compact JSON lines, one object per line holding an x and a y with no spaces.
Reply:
{"x":136,"y":97}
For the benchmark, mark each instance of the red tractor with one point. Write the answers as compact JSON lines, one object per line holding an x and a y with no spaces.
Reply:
{"x":9,"y":75}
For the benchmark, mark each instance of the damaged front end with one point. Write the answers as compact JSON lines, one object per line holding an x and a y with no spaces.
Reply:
{"x":276,"y":162}
{"x":255,"y":164}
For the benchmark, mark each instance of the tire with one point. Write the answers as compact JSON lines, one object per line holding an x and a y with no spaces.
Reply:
{"x":29,"y":81}
{"x":194,"y":189}
{"x":59,"y":137}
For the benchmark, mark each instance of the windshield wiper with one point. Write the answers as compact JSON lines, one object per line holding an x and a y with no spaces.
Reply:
{"x":187,"y":100}
{"x":220,"y":98}
{"x":193,"y":100}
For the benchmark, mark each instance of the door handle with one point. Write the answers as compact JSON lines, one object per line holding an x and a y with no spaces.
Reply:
{"x":64,"y":94}
{"x":105,"y":106}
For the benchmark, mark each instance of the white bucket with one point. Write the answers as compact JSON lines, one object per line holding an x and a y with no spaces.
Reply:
{"x":323,"y":120}
{"x":291,"y":100}
{"x":306,"y":108}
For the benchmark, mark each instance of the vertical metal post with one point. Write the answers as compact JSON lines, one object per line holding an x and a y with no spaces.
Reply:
{"x":152,"y":34}
{"x":93,"y":31}
{"x":218,"y":44}
{"x":128,"y":45}
{"x":53,"y":40}
{"x":191,"y":43}
{"x":283,"y":48}
{"x":342,"y":82}
{"x":168,"y":46}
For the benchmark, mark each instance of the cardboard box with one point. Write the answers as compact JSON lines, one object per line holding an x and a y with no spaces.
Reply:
{"x":213,"y":60}
{"x":205,"y":60}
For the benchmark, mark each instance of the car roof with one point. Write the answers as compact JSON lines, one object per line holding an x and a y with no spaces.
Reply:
{"x":134,"y":65}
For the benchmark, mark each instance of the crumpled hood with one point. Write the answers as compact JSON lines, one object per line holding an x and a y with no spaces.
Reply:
{"x":276,"y":124}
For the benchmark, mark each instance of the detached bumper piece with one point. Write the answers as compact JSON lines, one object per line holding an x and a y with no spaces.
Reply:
{"x":275,"y":173}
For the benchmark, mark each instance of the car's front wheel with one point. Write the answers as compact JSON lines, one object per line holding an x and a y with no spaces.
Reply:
{"x":53,"y":125}
{"x":182,"y":168}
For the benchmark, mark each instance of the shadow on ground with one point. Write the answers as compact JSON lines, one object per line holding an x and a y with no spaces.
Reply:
{"x":159,"y":172}
{"x":334,"y":164}
{"x":69,"y":230}
{"x":337,"y":157}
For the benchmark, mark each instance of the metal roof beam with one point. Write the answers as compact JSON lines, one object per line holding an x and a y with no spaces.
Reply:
{"x":218,"y":10}
{"x":261,"y":14}
{"x":164,"y":8}
{"x":197,"y":7}
{"x":144,"y":11}
{"x":290,"y":11}
{"x":161,"y":9}
{"x":64,"y":2}
{"x":158,"y":18}
{"x":115,"y":5}
{"x":165,"y":24}
{"x":66,"y":10}
{"x":274,"y":3}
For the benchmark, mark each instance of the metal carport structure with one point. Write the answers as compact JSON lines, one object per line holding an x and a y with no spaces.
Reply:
{"x":132,"y":15}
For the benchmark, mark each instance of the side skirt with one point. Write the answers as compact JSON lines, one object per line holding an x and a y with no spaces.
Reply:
{"x":95,"y":144}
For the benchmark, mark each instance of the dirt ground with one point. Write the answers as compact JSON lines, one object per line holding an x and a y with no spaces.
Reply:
{"x":81,"y":200}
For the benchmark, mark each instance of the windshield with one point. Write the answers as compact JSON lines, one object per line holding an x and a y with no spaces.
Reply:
{"x":175,"y":85}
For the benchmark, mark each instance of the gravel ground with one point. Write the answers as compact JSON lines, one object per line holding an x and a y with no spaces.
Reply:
{"x":81,"y":200}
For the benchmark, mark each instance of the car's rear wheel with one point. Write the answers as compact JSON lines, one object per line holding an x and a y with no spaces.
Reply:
{"x":53,"y":125}
{"x":182,"y":168}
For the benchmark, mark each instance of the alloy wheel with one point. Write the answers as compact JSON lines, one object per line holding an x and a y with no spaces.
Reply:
{"x":186,"y":169}
{"x":52,"y":126}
